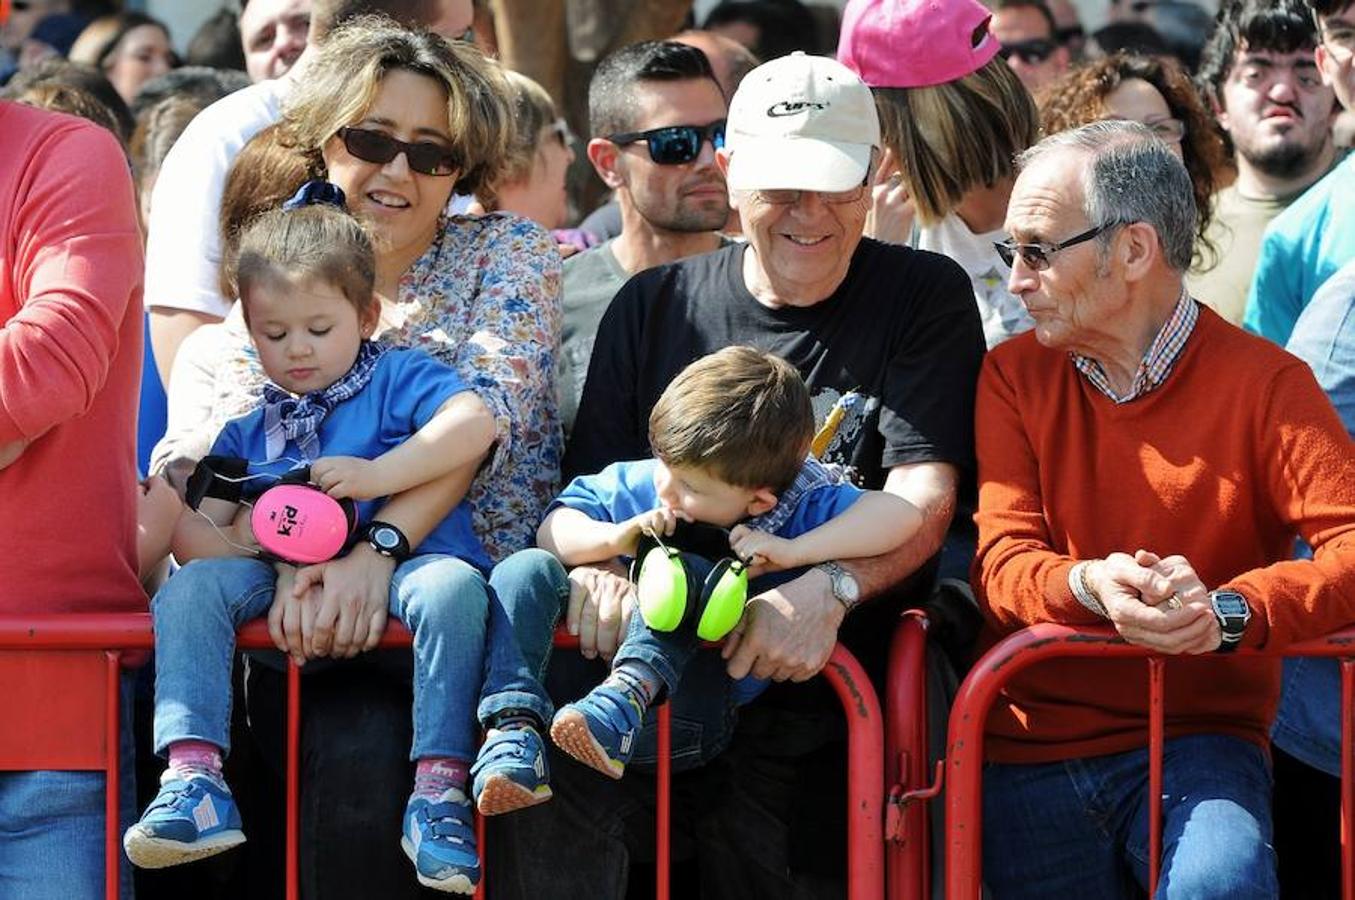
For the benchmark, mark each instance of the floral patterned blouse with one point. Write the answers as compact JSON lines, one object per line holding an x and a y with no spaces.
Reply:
{"x":485,"y":299}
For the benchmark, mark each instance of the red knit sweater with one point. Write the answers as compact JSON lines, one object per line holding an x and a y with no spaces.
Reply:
{"x":1235,"y":453}
{"x":70,"y":363}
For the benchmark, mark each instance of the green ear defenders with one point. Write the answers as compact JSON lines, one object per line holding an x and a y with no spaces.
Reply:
{"x":671,"y":596}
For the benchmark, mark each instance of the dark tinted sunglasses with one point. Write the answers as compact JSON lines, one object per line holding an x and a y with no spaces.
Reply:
{"x":423,"y":157}
{"x":676,"y":144}
{"x":1036,"y":255}
{"x":1032,"y":52}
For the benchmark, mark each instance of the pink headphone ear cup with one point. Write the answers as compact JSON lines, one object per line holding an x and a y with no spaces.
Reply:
{"x":300,"y":523}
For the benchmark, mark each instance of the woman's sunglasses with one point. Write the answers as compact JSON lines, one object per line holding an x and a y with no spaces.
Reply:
{"x":423,"y":157}
{"x":1031,"y":52}
{"x":677,"y":144}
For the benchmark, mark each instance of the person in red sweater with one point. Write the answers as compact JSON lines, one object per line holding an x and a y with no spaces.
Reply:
{"x":1142,"y":463}
{"x":70,"y":364}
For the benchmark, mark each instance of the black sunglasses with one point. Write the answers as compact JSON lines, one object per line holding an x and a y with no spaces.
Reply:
{"x":676,"y":144}
{"x":423,"y":157}
{"x":1037,"y":255}
{"x":1031,"y":52}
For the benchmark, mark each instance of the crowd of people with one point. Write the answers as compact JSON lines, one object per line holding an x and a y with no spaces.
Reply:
{"x":928,"y":303}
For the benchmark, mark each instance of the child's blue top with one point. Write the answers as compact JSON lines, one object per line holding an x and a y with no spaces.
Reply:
{"x":407,"y":387}
{"x":626,"y":489}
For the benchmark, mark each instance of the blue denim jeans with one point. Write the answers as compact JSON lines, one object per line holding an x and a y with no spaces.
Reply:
{"x":52,"y":826}
{"x":1079,"y":828}
{"x":464,"y":650}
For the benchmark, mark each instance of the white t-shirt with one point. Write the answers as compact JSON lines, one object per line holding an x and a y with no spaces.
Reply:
{"x":183,"y":249}
{"x":1003,"y":314}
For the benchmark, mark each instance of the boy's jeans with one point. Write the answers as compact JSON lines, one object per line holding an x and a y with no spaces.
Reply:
{"x":464,"y":650}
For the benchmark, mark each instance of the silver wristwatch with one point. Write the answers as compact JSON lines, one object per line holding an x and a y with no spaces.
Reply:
{"x":844,"y":585}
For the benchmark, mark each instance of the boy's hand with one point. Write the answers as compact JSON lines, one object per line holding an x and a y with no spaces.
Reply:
{"x":762,"y":551}
{"x":348,"y":476}
{"x":660,"y":522}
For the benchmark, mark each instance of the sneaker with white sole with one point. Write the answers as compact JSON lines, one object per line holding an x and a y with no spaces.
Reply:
{"x":599,"y":730}
{"x":510,"y":771}
{"x":439,"y":838}
{"x":191,"y":818}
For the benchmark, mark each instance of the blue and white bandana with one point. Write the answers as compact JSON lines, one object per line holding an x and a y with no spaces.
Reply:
{"x":813,"y":475}
{"x":289,"y":418}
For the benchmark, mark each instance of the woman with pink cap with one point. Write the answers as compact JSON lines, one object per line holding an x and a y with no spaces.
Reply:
{"x":952,"y":118}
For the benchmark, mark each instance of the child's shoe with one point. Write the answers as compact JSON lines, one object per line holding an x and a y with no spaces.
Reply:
{"x":510,"y":771}
{"x":599,"y":730}
{"x":439,"y":838}
{"x":191,"y":818}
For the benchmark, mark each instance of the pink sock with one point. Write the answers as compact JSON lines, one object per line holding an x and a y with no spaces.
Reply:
{"x":434,"y":775}
{"x":197,"y":757}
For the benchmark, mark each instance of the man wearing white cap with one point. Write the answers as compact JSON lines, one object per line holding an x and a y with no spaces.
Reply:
{"x":889,"y":341}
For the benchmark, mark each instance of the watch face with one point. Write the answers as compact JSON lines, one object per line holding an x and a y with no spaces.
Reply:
{"x":1230,"y":605}
{"x":385,"y":538}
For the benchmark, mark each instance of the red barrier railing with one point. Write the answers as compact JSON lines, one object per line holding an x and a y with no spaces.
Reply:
{"x":1025,"y":648}
{"x":910,"y":781}
{"x":38,"y":693}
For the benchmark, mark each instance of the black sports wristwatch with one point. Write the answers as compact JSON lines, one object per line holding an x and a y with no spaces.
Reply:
{"x":388,"y":540}
{"x":1233,"y":613}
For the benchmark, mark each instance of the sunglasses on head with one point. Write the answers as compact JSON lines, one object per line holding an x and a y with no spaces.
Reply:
{"x":424,"y":157}
{"x":676,"y":144}
{"x":1032,"y":52}
{"x":1036,"y":255}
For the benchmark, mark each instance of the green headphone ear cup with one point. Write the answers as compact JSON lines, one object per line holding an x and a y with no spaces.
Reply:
{"x":661,"y":587}
{"x":725,"y":593}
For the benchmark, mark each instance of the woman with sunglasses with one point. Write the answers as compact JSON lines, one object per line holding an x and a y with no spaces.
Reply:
{"x":953,"y":115}
{"x":1155,"y":92}
{"x":397,"y":118}
{"x":532,"y":183}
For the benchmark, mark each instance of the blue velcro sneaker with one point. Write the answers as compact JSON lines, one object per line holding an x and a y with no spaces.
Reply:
{"x":189,"y":819}
{"x":510,"y":771}
{"x":439,"y":838}
{"x":599,"y":730}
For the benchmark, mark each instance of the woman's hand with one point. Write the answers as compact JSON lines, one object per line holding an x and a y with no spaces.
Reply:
{"x":291,"y":618}
{"x":157,"y":513}
{"x":601,"y":602}
{"x":355,"y":595}
{"x":349,"y":476}
{"x":891,"y":214}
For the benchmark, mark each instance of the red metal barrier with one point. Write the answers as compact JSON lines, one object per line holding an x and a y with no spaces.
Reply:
{"x":910,"y":781}
{"x":1017,"y":652}
{"x":110,"y":635}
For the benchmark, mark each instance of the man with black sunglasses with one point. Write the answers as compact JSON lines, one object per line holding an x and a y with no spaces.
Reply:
{"x":1030,"y":43}
{"x":657,"y":116}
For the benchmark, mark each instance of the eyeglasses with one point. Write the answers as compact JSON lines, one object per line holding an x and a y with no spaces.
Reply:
{"x":1031,"y":52}
{"x":676,"y":144}
{"x":1068,"y":34}
{"x":779,"y":197}
{"x":1036,"y":255}
{"x":560,"y":131}
{"x":424,"y":157}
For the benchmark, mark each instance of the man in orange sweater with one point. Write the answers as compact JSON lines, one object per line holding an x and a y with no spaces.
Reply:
{"x":70,"y":365}
{"x":1142,"y":463}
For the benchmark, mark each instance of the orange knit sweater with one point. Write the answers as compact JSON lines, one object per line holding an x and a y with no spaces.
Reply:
{"x":1224,"y":463}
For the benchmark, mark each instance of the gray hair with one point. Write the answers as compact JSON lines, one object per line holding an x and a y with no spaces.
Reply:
{"x":1132,"y":177}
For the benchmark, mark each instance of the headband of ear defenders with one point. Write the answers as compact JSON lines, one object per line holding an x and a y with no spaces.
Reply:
{"x":672,"y":597}
{"x":219,"y":477}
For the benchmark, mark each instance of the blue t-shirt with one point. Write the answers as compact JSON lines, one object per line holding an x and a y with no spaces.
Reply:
{"x":407,"y":387}
{"x":626,"y":489}
{"x":1303,"y":247}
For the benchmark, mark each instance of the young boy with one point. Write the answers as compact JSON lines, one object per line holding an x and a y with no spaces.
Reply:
{"x":731,"y":438}
{"x":387,"y":420}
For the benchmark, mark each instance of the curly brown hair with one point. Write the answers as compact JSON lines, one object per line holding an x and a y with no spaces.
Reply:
{"x":1079,"y":97}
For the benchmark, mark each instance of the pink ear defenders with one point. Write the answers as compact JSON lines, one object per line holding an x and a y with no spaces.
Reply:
{"x":293,"y":520}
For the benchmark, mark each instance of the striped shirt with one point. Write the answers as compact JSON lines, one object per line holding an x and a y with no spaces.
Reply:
{"x":1157,"y":362}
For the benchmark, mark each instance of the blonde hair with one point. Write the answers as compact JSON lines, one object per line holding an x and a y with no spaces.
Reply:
{"x":951,"y":138}
{"x":341,"y":84}
{"x":319,"y":241}
{"x":533,"y":109}
{"x":740,"y":414}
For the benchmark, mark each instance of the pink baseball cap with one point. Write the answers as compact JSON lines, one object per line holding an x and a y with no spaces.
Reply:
{"x":914,"y":43}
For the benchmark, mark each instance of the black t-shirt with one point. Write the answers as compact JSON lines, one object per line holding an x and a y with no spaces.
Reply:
{"x":892,"y":358}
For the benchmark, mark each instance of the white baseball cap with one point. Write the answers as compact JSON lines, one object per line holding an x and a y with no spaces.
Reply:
{"x":801,"y":122}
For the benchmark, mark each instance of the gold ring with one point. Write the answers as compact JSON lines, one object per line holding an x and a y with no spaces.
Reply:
{"x":1173,"y":602}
